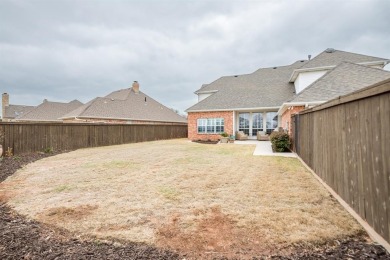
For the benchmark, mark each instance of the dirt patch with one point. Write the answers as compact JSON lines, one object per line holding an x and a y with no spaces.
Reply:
{"x":215,"y":235}
{"x":64,"y":214}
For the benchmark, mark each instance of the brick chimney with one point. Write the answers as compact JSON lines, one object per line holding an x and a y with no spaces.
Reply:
{"x":136,"y":87}
{"x":4,"y":103}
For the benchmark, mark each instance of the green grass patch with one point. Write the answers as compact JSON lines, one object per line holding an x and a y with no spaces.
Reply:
{"x":169,"y":193}
{"x":62,"y":188}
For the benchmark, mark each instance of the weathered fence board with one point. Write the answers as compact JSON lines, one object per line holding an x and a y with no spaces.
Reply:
{"x":32,"y":137}
{"x":346,"y":142}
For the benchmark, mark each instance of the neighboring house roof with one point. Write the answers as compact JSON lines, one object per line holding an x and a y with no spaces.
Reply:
{"x":332,"y":57}
{"x":125,"y":104}
{"x":50,"y":111}
{"x":13,"y":111}
{"x":343,"y":79}
{"x":266,"y":87}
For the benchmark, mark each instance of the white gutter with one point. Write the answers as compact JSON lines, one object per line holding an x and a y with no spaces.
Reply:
{"x":36,"y":120}
{"x":205,"y":92}
{"x":235,"y":109}
{"x":296,"y":72}
{"x":284,"y":106}
{"x":116,"y":118}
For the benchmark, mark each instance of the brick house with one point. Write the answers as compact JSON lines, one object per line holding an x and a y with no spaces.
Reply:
{"x":9,"y":112}
{"x":49,"y":111}
{"x":125,"y":106}
{"x":265,"y":99}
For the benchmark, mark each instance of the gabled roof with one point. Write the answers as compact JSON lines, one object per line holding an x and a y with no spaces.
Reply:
{"x":332,"y":57}
{"x":49,"y":111}
{"x":343,"y":79}
{"x":125,"y":104}
{"x":13,"y":111}
{"x":266,"y":87}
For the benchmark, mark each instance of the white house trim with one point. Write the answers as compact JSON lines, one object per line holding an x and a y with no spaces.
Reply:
{"x":284,"y":106}
{"x":235,"y":109}
{"x":205,"y":92}
{"x":115,"y":118}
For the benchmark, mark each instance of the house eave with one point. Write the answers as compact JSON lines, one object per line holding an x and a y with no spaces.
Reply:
{"x":36,"y":120}
{"x":120,"y":118}
{"x":233,"y":109}
{"x":286,"y":105}
{"x":296,"y":72}
{"x":205,"y":92}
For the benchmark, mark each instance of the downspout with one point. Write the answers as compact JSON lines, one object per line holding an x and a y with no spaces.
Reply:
{"x":234,"y":122}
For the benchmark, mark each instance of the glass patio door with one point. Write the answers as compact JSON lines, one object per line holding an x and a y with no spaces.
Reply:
{"x":257,"y":123}
{"x":272,"y":121}
{"x":243,"y":123}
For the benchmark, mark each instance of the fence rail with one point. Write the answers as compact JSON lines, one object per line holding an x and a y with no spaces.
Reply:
{"x":347,"y":144}
{"x":32,"y":137}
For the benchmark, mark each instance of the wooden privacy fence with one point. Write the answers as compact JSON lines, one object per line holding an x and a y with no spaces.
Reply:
{"x":346,"y":142}
{"x":32,"y":137}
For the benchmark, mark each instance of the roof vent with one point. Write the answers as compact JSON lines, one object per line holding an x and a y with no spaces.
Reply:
{"x":309,"y":56}
{"x":330,"y":50}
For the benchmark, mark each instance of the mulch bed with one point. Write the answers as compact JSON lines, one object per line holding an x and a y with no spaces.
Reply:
{"x":22,"y":238}
{"x":205,"y":142}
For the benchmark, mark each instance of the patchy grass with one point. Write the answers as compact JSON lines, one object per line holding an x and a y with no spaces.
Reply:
{"x":198,"y":199}
{"x":62,"y":188}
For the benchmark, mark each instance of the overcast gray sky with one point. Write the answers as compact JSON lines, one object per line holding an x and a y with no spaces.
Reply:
{"x":65,"y":50}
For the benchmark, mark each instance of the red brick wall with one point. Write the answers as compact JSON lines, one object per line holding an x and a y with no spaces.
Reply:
{"x":192,"y":124}
{"x":286,"y":117}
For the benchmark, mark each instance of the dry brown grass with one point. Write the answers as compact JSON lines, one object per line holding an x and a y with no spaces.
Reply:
{"x":203,"y":199}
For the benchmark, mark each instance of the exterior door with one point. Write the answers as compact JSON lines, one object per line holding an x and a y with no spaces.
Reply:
{"x":257,"y":123}
{"x":243,"y":122}
{"x":272,"y":121}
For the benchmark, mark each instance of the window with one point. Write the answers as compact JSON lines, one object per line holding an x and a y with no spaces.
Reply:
{"x":210,"y":125}
{"x":272,"y":121}
{"x":257,"y":123}
{"x":244,"y":122}
{"x":202,"y":123}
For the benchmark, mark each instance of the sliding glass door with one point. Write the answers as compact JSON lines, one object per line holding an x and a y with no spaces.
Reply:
{"x":257,"y":123}
{"x":243,"y":123}
{"x":272,"y":121}
{"x":252,"y":122}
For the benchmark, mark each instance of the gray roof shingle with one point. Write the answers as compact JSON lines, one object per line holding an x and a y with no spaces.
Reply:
{"x":267,"y":87}
{"x":125,"y":104}
{"x":49,"y":111}
{"x":336,"y":57}
{"x":343,"y":79}
{"x":13,"y":111}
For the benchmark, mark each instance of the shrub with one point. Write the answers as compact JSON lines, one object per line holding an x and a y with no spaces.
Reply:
{"x":280,"y":141}
{"x":8,"y":152}
{"x":48,"y":150}
{"x":224,"y":134}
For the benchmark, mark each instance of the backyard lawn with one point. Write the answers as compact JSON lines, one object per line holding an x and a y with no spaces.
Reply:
{"x":197,"y":199}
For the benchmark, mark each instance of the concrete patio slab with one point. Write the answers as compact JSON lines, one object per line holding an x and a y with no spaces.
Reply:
{"x":264,"y":148}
